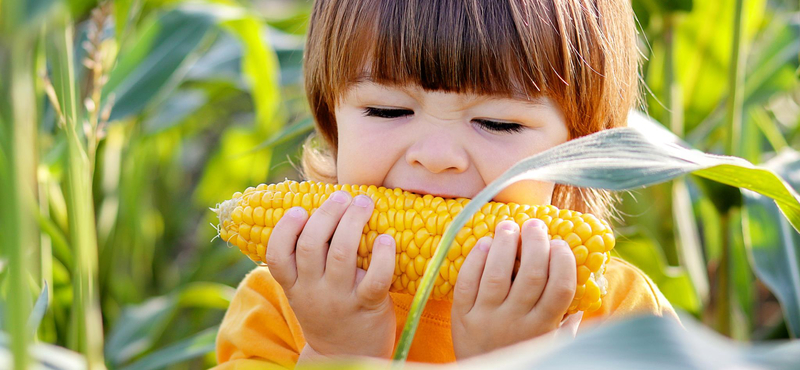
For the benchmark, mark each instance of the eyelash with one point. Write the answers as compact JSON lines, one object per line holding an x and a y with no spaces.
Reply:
{"x":485,"y":124}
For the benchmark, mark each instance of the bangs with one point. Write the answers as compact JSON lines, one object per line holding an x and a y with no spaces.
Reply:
{"x":445,"y":45}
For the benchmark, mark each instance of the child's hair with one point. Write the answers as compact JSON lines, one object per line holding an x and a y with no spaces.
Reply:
{"x":581,"y":54}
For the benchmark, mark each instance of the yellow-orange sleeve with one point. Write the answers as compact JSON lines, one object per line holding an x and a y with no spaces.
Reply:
{"x":259,"y":330}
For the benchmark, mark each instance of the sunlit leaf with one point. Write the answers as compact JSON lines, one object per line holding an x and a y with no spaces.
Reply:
{"x":774,"y":244}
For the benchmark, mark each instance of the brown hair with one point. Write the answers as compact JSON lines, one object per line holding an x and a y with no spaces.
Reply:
{"x":580,"y":53}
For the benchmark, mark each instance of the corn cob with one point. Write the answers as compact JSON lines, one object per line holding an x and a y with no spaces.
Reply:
{"x":417,"y":224}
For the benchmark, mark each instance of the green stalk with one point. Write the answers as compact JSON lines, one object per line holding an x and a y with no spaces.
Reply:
{"x":733,"y":147}
{"x":18,"y":178}
{"x":736,"y":83}
{"x":17,"y":172}
{"x":86,"y":320}
{"x":724,"y":286}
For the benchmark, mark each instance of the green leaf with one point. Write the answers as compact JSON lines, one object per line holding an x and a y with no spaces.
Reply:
{"x":174,"y":110}
{"x":615,"y":159}
{"x":39,"y":309}
{"x":303,"y":127}
{"x":773,"y":244}
{"x":140,"y":326}
{"x":46,"y":355}
{"x":189,"y":348}
{"x":644,"y":342}
{"x":260,"y":67}
{"x":158,"y":59}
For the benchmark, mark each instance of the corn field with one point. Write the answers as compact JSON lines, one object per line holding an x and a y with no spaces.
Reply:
{"x":123,"y":121}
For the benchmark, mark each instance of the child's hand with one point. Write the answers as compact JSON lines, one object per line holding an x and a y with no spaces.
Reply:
{"x":342,"y":309}
{"x":489,"y":312}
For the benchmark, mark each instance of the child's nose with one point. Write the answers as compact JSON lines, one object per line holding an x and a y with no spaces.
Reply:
{"x":438,"y":152}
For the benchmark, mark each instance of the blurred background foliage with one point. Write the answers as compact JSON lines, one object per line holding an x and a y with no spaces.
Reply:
{"x":166,"y":107}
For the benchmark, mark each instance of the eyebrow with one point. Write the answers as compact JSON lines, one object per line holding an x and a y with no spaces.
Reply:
{"x":533,"y":102}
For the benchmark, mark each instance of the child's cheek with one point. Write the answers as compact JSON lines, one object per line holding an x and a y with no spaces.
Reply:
{"x":367,"y":150}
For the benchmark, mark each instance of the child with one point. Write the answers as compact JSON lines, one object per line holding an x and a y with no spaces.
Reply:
{"x":440,"y":97}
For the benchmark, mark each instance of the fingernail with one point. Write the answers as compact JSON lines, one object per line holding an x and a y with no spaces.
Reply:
{"x":539,"y":223}
{"x":363,"y":201}
{"x":484,"y":244}
{"x":508,"y":226}
{"x":297,"y":212}
{"x":559,"y":242}
{"x":339,"y":197}
{"x":385,"y":240}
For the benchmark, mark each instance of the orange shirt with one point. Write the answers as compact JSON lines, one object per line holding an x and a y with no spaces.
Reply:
{"x":260,"y":330}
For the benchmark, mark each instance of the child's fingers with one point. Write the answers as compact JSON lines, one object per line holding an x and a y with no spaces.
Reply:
{"x":343,"y":252}
{"x":374,"y":288}
{"x":496,"y":278}
{"x":280,"y":256}
{"x":469,"y":277}
{"x":312,"y":245}
{"x":535,"y":256}
{"x":561,"y":283}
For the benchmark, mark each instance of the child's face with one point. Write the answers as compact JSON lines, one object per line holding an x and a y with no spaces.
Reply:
{"x":441,"y":143}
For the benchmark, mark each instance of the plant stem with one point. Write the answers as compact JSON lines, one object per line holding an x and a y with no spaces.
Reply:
{"x":723,"y":301}
{"x":86,"y":320}
{"x":736,"y":83}
{"x":733,"y":146}
{"x":18,"y":179}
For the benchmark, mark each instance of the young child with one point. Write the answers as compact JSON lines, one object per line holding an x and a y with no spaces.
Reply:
{"x":441,"y":97}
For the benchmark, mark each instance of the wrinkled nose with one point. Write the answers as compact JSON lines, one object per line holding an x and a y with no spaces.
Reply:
{"x":437,"y":150}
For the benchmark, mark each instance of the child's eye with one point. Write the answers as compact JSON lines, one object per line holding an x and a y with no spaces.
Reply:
{"x":500,"y":126}
{"x":387,"y":113}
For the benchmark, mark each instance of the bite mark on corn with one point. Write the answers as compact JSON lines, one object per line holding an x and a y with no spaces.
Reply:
{"x":417,"y":223}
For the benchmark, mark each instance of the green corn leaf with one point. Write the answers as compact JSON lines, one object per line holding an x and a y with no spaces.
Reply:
{"x":39,"y":309}
{"x":140,"y":326}
{"x":157,"y":60}
{"x":189,"y":348}
{"x":645,"y":342}
{"x":615,"y":159}
{"x":773,"y":244}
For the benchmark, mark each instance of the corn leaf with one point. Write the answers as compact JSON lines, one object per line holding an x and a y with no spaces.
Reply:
{"x":189,"y":348}
{"x":156,"y":62}
{"x":38,"y":311}
{"x":615,"y":159}
{"x":773,"y":244}
{"x":140,"y":326}
{"x":46,"y":355}
{"x":645,"y":342}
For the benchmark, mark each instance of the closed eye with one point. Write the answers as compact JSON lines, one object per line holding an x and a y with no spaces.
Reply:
{"x":485,"y":124}
{"x":387,"y":113}
{"x":500,"y":126}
